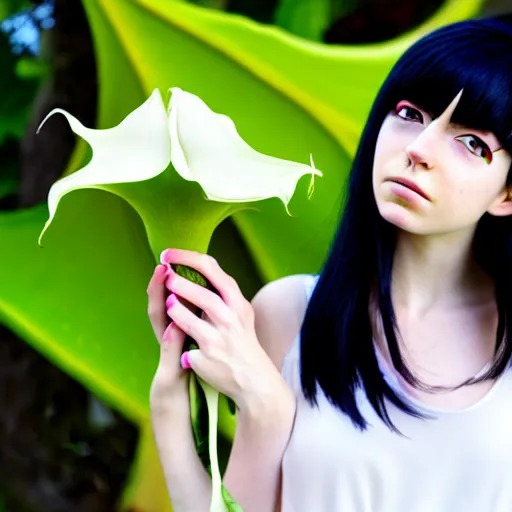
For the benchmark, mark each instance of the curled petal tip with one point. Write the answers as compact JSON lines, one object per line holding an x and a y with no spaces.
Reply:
{"x":313,"y":172}
{"x":287,"y":210}
{"x":50,"y":114}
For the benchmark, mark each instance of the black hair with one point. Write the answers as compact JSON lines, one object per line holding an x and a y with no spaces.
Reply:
{"x":337,"y":347}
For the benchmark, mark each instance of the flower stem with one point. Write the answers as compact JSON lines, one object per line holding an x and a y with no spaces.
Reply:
{"x":211,"y":395}
{"x":212,"y":401}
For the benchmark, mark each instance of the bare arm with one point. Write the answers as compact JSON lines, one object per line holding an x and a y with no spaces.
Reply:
{"x":188,"y":483}
{"x":265,"y":422}
{"x":235,"y":362}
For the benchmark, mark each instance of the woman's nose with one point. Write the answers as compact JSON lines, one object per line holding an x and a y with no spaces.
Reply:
{"x":417,"y":158}
{"x":421,"y":151}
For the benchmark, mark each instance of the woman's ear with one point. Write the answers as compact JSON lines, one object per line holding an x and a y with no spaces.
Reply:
{"x":503,"y":204}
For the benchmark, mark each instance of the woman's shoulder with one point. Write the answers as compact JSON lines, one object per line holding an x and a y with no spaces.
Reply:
{"x":279,"y":309}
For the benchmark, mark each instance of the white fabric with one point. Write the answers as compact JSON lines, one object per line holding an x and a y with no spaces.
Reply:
{"x":459,"y":462}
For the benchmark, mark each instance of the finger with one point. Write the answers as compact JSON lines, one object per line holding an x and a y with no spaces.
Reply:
{"x":171,"y":346}
{"x":196,"y":361}
{"x":185,"y":361}
{"x":195,"y":294}
{"x":156,"y":301}
{"x":193,"y":360}
{"x":169,"y":372}
{"x":211,"y":270}
{"x":199,"y":330}
{"x":157,"y":278}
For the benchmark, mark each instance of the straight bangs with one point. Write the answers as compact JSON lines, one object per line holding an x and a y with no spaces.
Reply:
{"x":479,"y":62}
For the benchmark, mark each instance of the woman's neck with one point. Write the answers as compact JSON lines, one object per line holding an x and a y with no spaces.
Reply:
{"x":437,"y":270}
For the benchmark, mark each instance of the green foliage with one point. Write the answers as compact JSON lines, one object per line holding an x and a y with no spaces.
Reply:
{"x":9,"y":172}
{"x":19,"y":81}
{"x":8,"y":186}
{"x":17,"y":94}
{"x":10,"y":7}
{"x":31,"y":68}
{"x":231,"y":504}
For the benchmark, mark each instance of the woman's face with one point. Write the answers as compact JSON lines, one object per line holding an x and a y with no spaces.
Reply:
{"x":431,"y":176}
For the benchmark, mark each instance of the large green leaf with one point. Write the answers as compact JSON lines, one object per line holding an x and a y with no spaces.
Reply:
{"x":75,"y":301}
{"x":81,"y":300}
{"x":288,"y":97}
{"x":83,"y":304}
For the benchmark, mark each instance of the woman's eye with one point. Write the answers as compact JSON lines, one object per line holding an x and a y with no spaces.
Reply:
{"x":477,"y":146}
{"x":409,"y":113}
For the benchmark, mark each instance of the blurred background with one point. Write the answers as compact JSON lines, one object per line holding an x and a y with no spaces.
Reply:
{"x":64,"y":444}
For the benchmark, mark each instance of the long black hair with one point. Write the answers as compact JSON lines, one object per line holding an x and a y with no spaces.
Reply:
{"x":337,"y":347}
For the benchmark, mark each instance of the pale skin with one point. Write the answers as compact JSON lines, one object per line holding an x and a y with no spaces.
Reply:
{"x":444,"y":304}
{"x":241,"y":348}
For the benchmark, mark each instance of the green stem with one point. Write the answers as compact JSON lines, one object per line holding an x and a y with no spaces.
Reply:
{"x":212,"y":401}
{"x":217,"y":503}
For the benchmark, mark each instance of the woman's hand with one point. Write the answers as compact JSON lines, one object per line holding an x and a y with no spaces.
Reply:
{"x":229,"y":357}
{"x":169,"y":387}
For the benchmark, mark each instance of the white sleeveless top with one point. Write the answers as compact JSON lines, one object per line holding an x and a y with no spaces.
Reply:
{"x":459,"y":462}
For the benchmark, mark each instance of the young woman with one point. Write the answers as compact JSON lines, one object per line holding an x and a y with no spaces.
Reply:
{"x":383,"y":384}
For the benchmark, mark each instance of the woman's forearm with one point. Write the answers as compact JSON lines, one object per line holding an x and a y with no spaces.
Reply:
{"x":188,"y":482}
{"x":252,"y":476}
{"x":263,"y":429}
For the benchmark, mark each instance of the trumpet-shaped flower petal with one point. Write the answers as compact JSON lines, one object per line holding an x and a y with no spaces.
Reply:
{"x":135,"y":150}
{"x":203,"y":147}
{"x":206,"y":148}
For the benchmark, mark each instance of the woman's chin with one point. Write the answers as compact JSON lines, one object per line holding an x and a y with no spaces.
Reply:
{"x":401,"y":217}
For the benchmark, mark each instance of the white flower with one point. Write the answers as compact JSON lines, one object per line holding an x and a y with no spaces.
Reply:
{"x":203,"y":146}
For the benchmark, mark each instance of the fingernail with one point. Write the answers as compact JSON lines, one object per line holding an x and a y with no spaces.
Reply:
{"x":170,"y":301}
{"x":185,"y":361}
{"x":169,"y":274}
{"x":164,"y":255}
{"x":167,"y":333}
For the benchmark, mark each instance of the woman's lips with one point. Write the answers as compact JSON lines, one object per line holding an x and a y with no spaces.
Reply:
{"x":411,"y":186}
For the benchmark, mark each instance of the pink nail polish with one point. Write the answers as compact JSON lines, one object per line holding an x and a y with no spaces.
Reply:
{"x":167,"y":333}
{"x":170,"y":301}
{"x":185,"y":361}
{"x":164,"y":256}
